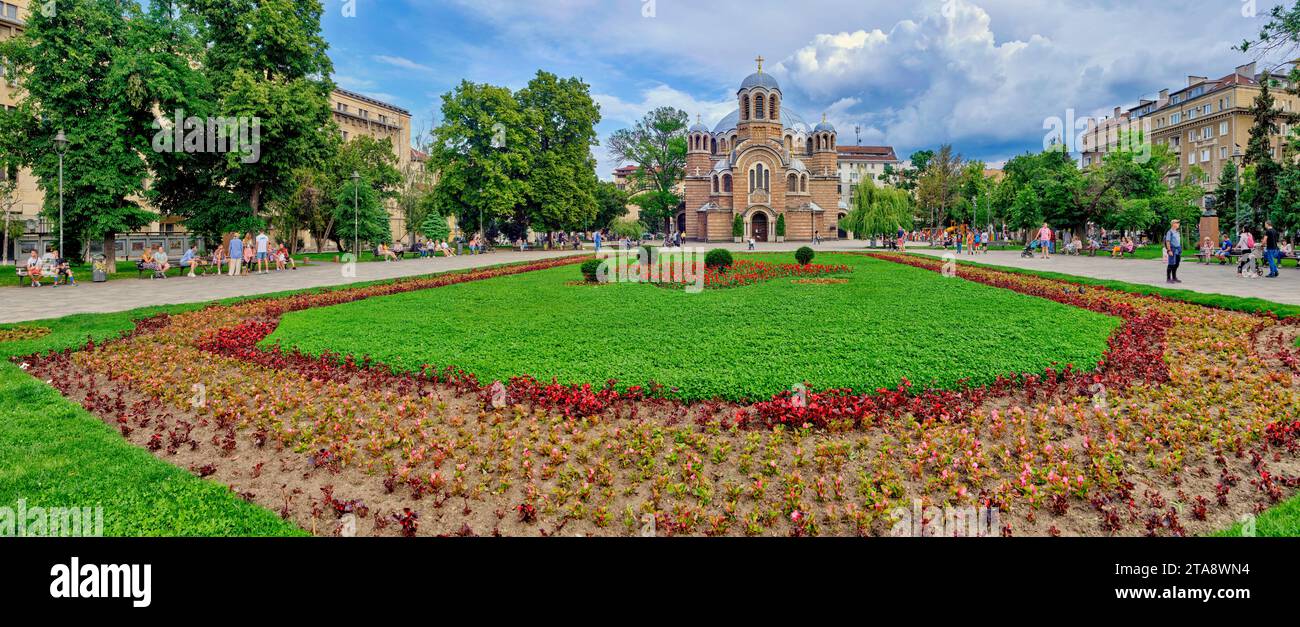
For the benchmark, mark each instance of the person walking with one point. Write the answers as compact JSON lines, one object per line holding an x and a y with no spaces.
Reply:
{"x":1045,"y":240}
{"x":236,"y":255}
{"x":1173,"y":252}
{"x":1272,"y":250}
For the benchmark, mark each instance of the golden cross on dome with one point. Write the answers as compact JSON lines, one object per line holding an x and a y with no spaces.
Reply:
{"x":760,"y":63}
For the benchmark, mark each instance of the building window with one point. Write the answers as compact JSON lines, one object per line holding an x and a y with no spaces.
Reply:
{"x":1223,"y":152}
{"x":760,"y":109}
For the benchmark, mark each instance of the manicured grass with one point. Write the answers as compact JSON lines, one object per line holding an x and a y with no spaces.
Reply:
{"x":55,"y":454}
{"x":888,"y":322}
{"x":1221,"y":301}
{"x":1280,"y":521}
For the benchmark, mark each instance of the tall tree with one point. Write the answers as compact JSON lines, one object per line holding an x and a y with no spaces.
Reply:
{"x":269,"y":58}
{"x":1259,"y":153}
{"x":481,"y":152}
{"x":359,"y":212}
{"x":563,"y":118}
{"x":611,"y":204}
{"x":878,"y":211}
{"x":657,"y":146}
{"x":938,"y":187}
{"x":79,"y":75}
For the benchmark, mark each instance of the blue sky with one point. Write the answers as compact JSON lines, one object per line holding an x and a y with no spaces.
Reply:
{"x":983,"y":75}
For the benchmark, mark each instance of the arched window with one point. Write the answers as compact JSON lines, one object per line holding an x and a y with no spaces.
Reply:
{"x":810,"y":145}
{"x":789,"y":144}
{"x":774,"y":113}
{"x":792,"y":183}
{"x":760,"y":177}
{"x":759,"y":109}
{"x":744,"y":107}
{"x":803,"y":183}
{"x":713,"y":146}
{"x":715,"y":184}
{"x":726,"y":183}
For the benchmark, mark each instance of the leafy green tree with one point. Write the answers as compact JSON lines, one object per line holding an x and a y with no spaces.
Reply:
{"x":878,"y":212}
{"x":370,"y":218}
{"x":1225,"y":194}
{"x":939,"y":185}
{"x":611,"y":204}
{"x":269,"y":59}
{"x":482,"y":152}
{"x":79,"y":74}
{"x":1041,"y":187}
{"x":434,"y":226}
{"x":657,"y":146}
{"x":563,"y":117}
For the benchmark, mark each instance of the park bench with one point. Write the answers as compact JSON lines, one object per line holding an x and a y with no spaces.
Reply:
{"x":22,"y":274}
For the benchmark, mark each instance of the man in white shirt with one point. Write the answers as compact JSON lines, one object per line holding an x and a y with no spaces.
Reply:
{"x":262,"y":241}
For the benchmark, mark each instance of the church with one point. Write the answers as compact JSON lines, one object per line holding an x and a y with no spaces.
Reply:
{"x":761,"y":162}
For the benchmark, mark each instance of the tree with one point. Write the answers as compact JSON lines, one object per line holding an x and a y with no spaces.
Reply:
{"x":878,"y":212}
{"x":563,"y":119}
{"x":1259,"y":153}
{"x":1225,"y":195}
{"x":611,"y":204}
{"x":1040,"y":187}
{"x":434,"y":226}
{"x":77,"y":71}
{"x":8,"y":200}
{"x":370,"y":218}
{"x":937,"y":188}
{"x":481,"y":151}
{"x":269,"y":59}
{"x":657,"y":146}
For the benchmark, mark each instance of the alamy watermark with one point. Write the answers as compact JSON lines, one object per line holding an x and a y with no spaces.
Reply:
{"x":947,"y":522}
{"x":684,"y":266}
{"x":1112,"y":135}
{"x":191,"y":134}
{"x":36,"y":522}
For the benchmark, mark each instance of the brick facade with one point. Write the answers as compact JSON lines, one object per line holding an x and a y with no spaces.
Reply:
{"x":776,"y":165}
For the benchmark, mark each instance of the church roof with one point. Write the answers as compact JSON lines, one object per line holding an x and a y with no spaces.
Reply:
{"x":760,"y":79}
{"x":789,"y":119}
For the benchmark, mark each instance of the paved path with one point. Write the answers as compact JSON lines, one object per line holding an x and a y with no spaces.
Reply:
{"x":22,"y":304}
{"x":1212,"y":278}
{"x":18,"y":304}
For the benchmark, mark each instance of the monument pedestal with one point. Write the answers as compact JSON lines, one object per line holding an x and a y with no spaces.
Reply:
{"x":1210,"y":229}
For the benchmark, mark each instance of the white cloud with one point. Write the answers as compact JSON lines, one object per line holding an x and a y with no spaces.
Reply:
{"x":402,"y":62}
{"x":616,"y":109}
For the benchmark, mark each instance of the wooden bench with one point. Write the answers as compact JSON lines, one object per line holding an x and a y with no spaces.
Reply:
{"x":23,"y":274}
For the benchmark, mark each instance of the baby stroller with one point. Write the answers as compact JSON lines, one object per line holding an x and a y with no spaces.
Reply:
{"x":1249,"y":266}
{"x":1028,"y":252}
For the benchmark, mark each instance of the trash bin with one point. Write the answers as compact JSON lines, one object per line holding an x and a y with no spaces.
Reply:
{"x":99,"y":269}
{"x":460,"y":247}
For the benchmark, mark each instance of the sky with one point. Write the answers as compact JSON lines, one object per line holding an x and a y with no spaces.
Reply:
{"x":983,"y":75}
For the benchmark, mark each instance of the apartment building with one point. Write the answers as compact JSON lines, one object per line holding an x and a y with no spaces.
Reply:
{"x":356,"y":115}
{"x":862,"y":163}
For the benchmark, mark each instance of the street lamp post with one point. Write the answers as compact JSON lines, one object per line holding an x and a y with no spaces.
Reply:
{"x":356,"y":220}
{"x":1236,"y":158}
{"x":61,"y":145}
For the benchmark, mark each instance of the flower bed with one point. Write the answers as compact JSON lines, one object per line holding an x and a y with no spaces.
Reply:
{"x":1187,"y":423}
{"x":23,"y":333}
{"x":748,"y":272}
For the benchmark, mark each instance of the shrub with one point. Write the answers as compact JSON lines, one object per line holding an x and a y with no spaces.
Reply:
{"x":780,"y":225}
{"x":718,"y":258}
{"x":589,"y":269}
{"x":804,"y":255}
{"x":627,"y":227}
{"x":738,"y":226}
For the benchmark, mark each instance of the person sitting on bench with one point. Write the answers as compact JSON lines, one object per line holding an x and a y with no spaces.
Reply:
{"x":1225,"y":251}
{"x":62,"y":271}
{"x":190,"y":260}
{"x":160,"y":262}
{"x":34,"y":270}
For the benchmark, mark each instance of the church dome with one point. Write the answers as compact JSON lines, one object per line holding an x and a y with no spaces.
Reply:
{"x":699,"y":126}
{"x":759,"y":79}
{"x":824,"y":127}
{"x":789,"y":119}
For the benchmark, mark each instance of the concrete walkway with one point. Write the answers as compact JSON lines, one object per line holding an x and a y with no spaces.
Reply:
{"x":19,"y":304}
{"x":23,"y":304}
{"x":1211,"y":278}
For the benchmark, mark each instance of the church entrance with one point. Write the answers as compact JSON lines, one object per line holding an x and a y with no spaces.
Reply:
{"x":842,"y":233}
{"x":758,"y":227}
{"x":681,"y":223}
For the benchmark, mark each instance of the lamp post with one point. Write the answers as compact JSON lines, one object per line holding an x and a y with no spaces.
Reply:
{"x":61,"y":145}
{"x":356,"y":220}
{"x":1236,"y":159}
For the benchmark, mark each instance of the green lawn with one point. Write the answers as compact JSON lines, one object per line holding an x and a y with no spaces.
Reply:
{"x":890,"y":321}
{"x":55,"y":454}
